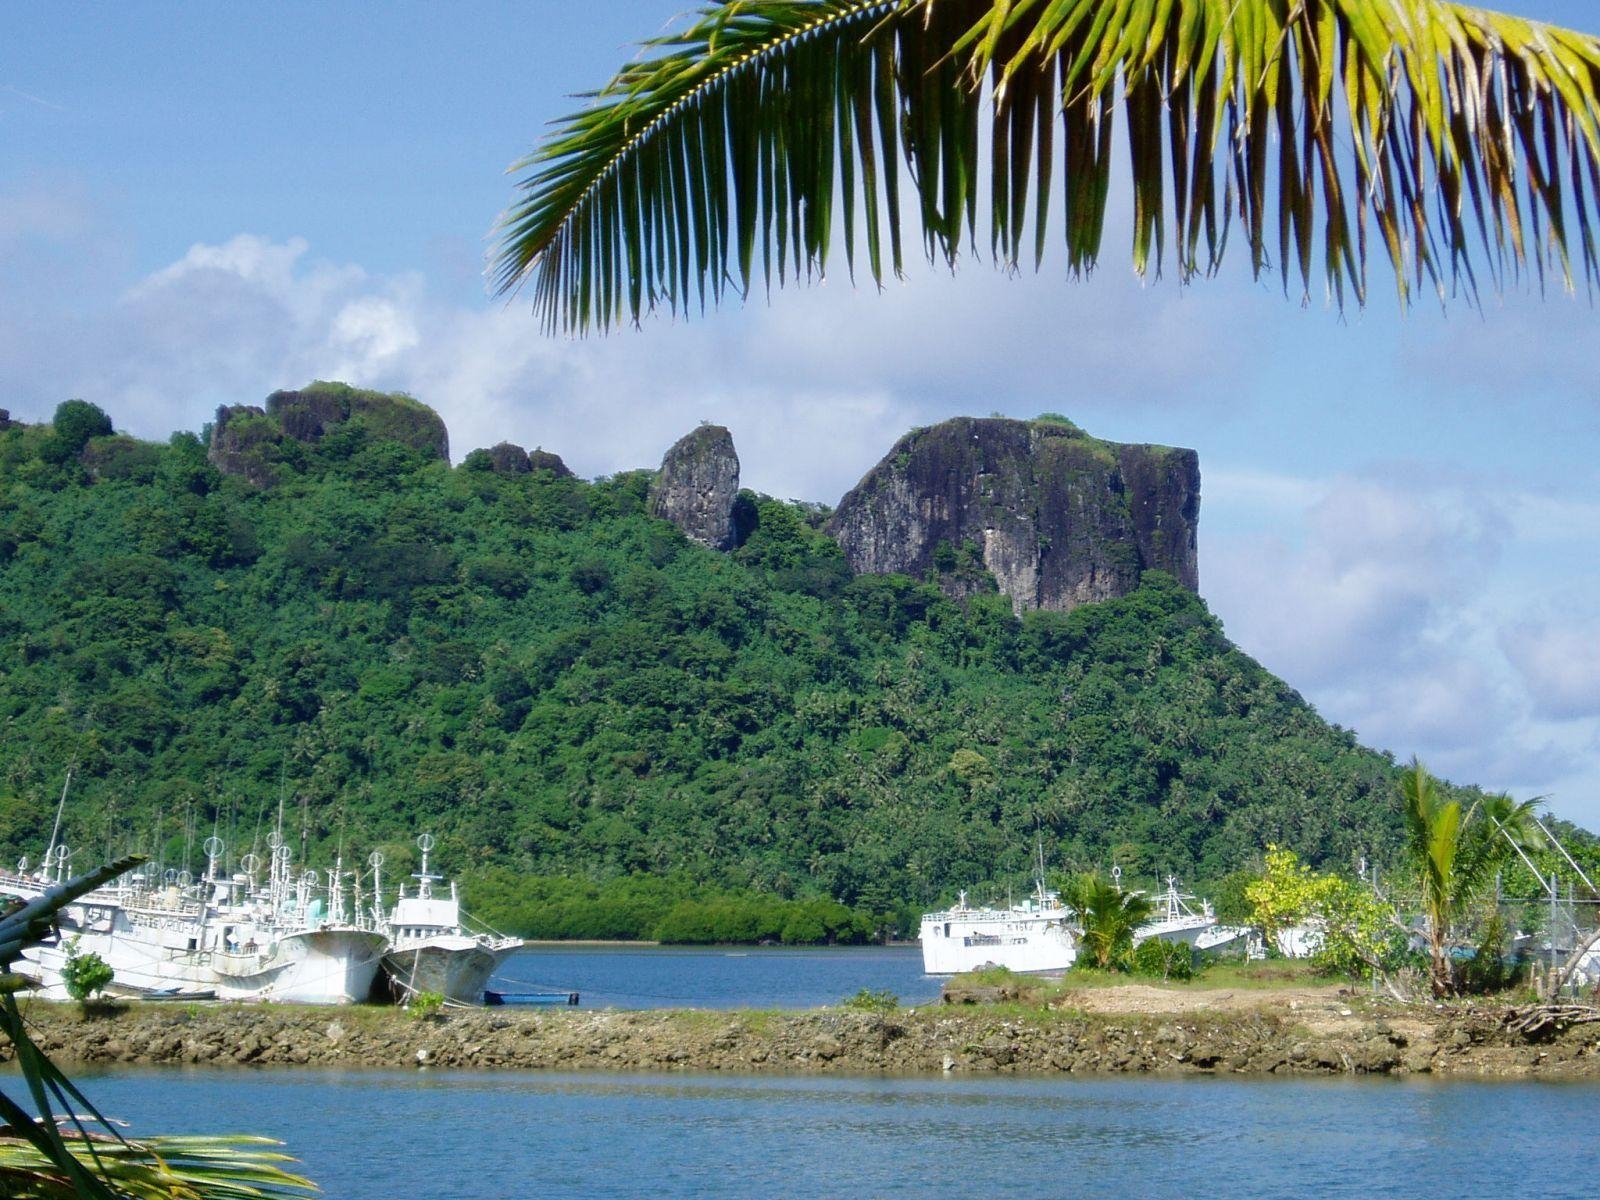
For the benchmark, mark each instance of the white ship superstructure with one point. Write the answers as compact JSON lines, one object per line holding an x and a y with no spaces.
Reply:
{"x":152,"y":938}
{"x":295,"y":942}
{"x":1037,"y":936}
{"x":1176,"y":920}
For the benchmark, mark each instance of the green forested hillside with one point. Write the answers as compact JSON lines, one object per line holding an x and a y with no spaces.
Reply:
{"x":555,"y":683}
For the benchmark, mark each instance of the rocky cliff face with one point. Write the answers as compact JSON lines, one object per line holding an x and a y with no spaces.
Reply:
{"x":698,"y":486}
{"x":308,"y":415}
{"x":1059,"y":518}
{"x":244,"y":436}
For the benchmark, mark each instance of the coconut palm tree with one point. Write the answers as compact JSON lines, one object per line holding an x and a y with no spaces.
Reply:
{"x":46,"y":1157}
{"x":1107,"y":914}
{"x":732,"y":153}
{"x":1455,"y":853}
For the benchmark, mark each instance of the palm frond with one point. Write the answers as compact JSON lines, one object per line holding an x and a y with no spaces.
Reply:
{"x":155,"y":1168}
{"x":46,"y":1157}
{"x":1456,"y":138}
{"x":20,"y":925}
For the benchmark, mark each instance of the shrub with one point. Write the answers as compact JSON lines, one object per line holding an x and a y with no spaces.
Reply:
{"x":424,"y":1005}
{"x":85,"y":975}
{"x":881,"y":1000}
{"x":76,"y":421}
{"x":1163,"y":960}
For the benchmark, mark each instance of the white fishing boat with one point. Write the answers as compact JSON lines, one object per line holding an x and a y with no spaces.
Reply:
{"x":152,"y":938}
{"x":223,"y":937}
{"x":1037,"y":936}
{"x":430,"y":947}
{"x":327,"y":965}
{"x":1176,"y":920}
{"x":294,"y":942}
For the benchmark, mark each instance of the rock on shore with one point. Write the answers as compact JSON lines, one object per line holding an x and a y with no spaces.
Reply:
{"x":929,"y":1040}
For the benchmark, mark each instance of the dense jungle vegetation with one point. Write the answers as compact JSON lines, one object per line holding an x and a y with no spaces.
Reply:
{"x":560,"y":686}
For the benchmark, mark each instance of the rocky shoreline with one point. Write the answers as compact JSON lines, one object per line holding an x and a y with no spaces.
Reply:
{"x":1265,"y":1038}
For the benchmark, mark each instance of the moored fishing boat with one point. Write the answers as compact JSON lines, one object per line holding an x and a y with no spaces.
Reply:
{"x":152,"y":938}
{"x":1037,"y":936}
{"x":1176,"y":920}
{"x":222,"y":937}
{"x":430,"y":947}
{"x":293,"y":942}
{"x":326,"y":965}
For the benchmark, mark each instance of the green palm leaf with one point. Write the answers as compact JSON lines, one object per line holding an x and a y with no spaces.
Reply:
{"x":1108,"y":917}
{"x":157,"y":1168}
{"x":1455,"y":137}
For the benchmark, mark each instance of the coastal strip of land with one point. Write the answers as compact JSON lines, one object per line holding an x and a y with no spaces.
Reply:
{"x":1098,"y":1031}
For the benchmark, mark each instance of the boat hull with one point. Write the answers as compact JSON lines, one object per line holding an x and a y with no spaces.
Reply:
{"x":151,"y":951}
{"x":1185,"y":931}
{"x":455,"y":966}
{"x":315,"y":966}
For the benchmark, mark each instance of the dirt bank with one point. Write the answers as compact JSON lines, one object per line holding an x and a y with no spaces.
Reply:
{"x":1107,"y":1030}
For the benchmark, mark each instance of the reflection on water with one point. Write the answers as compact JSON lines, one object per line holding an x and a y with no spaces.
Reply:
{"x":379,"y":1135}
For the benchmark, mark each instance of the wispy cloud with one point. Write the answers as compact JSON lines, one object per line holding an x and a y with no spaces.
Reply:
{"x":13,"y":90}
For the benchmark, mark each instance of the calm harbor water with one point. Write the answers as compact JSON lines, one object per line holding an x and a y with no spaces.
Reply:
{"x":381,"y":1135}
{"x":718,"y":977}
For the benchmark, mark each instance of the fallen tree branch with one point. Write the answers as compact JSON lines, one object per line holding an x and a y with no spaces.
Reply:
{"x":1538,"y":1020}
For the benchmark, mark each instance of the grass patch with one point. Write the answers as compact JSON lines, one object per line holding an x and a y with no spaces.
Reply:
{"x":1231,"y":974}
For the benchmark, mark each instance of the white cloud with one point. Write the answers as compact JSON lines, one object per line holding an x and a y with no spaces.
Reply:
{"x":1369,"y":579}
{"x":816,"y":385}
{"x":254,"y":260}
{"x":1559,"y":664}
{"x":1380,"y":596}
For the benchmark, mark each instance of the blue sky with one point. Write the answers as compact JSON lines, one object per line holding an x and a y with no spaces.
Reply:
{"x":202,"y":203}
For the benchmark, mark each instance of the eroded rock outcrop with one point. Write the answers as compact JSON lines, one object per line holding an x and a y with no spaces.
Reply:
{"x":543,"y":460}
{"x":1057,"y":517}
{"x":507,"y":458}
{"x":245,"y":438}
{"x":242,"y":438}
{"x":312,"y":413}
{"x":698,"y":486}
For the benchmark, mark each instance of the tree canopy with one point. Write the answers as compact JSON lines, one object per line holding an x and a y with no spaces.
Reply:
{"x":559,"y":685}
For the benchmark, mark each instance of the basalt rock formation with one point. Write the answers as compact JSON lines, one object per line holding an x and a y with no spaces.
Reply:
{"x":1057,"y":517}
{"x":543,"y":460}
{"x":244,"y":437}
{"x":698,"y":487}
{"x":508,"y":458}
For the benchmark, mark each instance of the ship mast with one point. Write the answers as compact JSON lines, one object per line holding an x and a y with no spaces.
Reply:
{"x":425,"y":880}
{"x":55,"y":831}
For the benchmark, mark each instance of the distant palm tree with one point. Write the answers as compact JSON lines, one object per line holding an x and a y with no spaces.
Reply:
{"x":1455,"y":138}
{"x":1108,"y":915}
{"x":45,"y":1157}
{"x":1455,"y":853}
